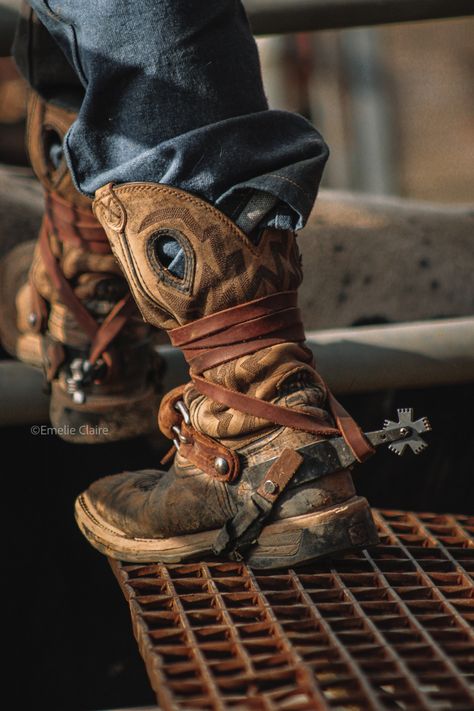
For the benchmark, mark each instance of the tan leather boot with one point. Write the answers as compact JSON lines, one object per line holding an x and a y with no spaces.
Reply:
{"x":260,"y":465}
{"x":67,"y":308}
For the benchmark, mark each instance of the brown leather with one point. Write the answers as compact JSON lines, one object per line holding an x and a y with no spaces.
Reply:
{"x":205,"y":360}
{"x":101,"y":335}
{"x":223,"y":334}
{"x":233,"y":313}
{"x":72,"y":240}
{"x":265,"y":322}
{"x":277,"y":414}
{"x":350,"y":430}
{"x":43,"y":118}
{"x":168,"y":415}
{"x":135,"y":214}
{"x":62,"y":286}
{"x":280,"y":474}
{"x":75,"y":225}
{"x":202,"y":451}
{"x":53,"y":358}
{"x":275,"y":324}
{"x":111,"y":326}
{"x":39,"y":309}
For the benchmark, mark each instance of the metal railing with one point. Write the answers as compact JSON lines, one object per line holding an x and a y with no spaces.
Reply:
{"x":283,"y":16}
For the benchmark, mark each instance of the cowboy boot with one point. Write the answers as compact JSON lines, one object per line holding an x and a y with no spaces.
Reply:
{"x":67,"y":308}
{"x":252,"y":476}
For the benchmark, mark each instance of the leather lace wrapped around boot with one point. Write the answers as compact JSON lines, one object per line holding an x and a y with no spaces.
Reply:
{"x":252,"y":476}
{"x":66,"y":307}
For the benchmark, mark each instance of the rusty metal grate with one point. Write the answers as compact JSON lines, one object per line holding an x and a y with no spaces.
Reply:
{"x":389,"y":629}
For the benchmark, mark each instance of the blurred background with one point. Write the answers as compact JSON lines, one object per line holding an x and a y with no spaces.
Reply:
{"x":395,"y":103}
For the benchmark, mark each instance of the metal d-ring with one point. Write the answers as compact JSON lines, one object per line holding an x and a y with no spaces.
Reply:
{"x":181,"y":439}
{"x":183,"y":410}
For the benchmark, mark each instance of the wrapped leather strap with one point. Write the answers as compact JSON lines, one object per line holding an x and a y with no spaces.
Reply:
{"x":246,"y":329}
{"x":75,"y":225}
{"x":100,"y":334}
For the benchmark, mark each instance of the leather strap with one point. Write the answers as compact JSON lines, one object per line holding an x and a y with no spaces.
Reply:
{"x":68,"y":229}
{"x":203,"y":451}
{"x":75,"y":225}
{"x":240,"y":532}
{"x":246,"y":329}
{"x":221,"y":320}
{"x":279,"y":475}
{"x":277,"y":414}
{"x":198,"y":448}
{"x":350,"y":430}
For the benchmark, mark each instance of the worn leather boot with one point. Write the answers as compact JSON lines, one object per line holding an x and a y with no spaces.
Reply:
{"x":253,"y":476}
{"x":67,"y":308}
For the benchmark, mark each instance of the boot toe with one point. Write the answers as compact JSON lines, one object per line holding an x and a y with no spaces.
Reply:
{"x":123,"y":500}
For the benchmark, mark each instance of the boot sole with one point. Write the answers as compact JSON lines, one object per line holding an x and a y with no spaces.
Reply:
{"x":286,"y":543}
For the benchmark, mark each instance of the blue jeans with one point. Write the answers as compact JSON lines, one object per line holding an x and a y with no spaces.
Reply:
{"x":172,"y":93}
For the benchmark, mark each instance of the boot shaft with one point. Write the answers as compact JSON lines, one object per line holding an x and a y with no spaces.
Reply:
{"x":222,"y":269}
{"x":47,"y":126}
{"x":70,"y":237}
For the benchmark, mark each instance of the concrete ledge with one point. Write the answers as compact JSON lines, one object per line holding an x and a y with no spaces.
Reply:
{"x":385,"y":260}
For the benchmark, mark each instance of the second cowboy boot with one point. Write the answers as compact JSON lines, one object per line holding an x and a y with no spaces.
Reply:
{"x":251,"y":476}
{"x":66,"y":306}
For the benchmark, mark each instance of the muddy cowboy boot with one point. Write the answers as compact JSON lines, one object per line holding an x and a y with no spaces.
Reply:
{"x":67,"y":308}
{"x":254,"y":475}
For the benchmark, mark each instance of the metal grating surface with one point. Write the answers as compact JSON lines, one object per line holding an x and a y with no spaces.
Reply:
{"x":389,"y":629}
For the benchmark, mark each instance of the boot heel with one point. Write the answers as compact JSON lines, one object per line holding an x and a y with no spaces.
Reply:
{"x":303,"y":539}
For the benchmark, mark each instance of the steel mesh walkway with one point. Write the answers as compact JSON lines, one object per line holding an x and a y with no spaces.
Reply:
{"x":388,"y":629}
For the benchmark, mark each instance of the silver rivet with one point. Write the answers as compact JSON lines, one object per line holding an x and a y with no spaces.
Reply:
{"x":79,"y":397}
{"x":270,"y":487}
{"x":220,"y":465}
{"x":404,"y":431}
{"x":32,"y":319}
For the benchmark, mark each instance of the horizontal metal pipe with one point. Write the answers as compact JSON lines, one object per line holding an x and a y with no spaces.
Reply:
{"x":408,"y":355}
{"x":269,"y":17}
{"x":351,"y":360}
{"x":284,"y":16}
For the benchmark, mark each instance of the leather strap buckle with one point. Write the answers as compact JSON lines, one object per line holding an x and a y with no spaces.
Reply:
{"x":204,"y":452}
